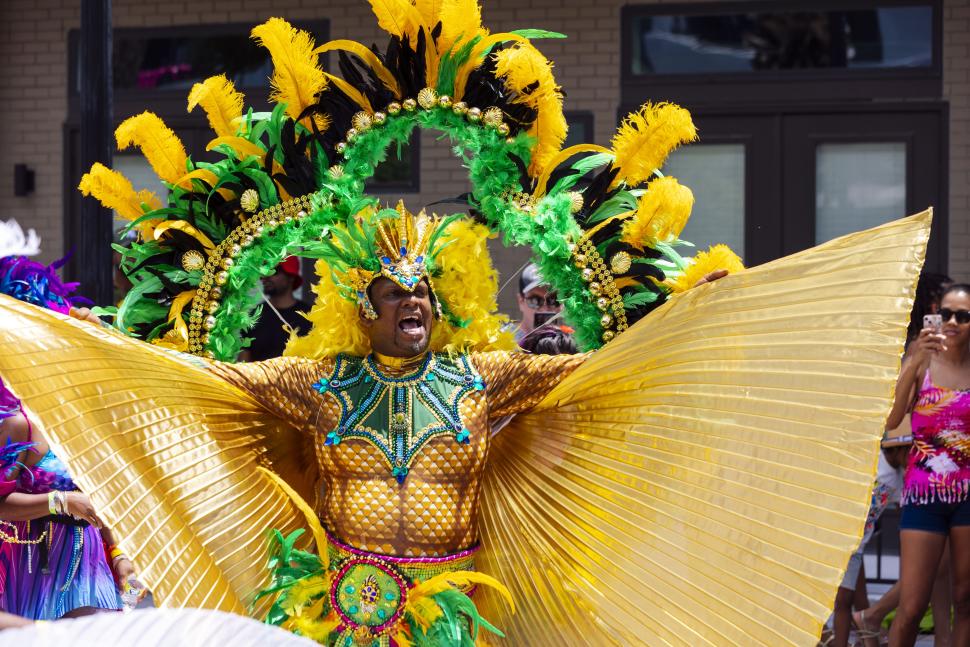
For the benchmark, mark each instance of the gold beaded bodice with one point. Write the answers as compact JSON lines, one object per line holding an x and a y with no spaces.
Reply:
{"x":423,"y":501}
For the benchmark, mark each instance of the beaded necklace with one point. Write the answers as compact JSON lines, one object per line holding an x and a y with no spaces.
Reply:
{"x":399,"y":414}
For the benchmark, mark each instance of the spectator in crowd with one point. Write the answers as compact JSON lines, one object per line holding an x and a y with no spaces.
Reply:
{"x":934,"y":386}
{"x":550,"y":340}
{"x":538,"y":304}
{"x":54,"y":551}
{"x":868,"y":621}
{"x":282,"y":313}
{"x":852,"y":591}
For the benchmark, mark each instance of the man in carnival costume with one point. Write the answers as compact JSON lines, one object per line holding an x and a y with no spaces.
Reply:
{"x":700,"y":480}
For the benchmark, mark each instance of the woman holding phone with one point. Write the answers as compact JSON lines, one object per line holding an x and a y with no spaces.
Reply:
{"x":934,"y":386}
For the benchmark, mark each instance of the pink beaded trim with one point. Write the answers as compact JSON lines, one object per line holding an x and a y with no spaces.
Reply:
{"x":468,"y":552}
{"x":391,"y":572}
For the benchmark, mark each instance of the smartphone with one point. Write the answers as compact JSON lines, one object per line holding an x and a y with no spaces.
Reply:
{"x":933,"y":321}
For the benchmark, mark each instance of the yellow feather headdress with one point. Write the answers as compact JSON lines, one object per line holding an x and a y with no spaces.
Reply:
{"x":222,"y":104}
{"x":160,"y":146}
{"x":309,"y":158}
{"x":465,"y":282}
{"x":647,"y":137}
{"x":528,"y":76}
{"x":114,"y":191}
{"x":297,"y":76}
{"x":661,"y":215}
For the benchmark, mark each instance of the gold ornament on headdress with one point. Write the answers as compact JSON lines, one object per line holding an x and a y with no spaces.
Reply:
{"x":403,"y":246}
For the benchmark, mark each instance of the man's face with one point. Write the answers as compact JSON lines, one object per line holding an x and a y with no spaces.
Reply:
{"x":277,"y":284}
{"x":538,"y":306}
{"x":403,"y":324}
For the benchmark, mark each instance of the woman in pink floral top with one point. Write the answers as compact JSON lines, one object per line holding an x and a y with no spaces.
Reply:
{"x":934,"y":385}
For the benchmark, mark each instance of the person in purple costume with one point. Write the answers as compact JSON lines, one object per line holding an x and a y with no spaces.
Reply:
{"x":53,"y":562}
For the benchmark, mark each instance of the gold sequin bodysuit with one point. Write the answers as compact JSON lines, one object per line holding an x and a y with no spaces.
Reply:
{"x":432,"y":510}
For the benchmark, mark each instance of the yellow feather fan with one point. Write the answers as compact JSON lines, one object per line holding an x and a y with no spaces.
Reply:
{"x":178,"y":337}
{"x":662,"y":213}
{"x":718,"y":257}
{"x":468,"y":284}
{"x":461,"y":21}
{"x":222,"y":104}
{"x":160,"y":146}
{"x":647,"y":137}
{"x":297,"y":76}
{"x":424,"y":611}
{"x":523,"y":66}
{"x":430,"y":12}
{"x":397,"y":17}
{"x":114,"y":191}
{"x":477,"y":57}
{"x":368,"y":57}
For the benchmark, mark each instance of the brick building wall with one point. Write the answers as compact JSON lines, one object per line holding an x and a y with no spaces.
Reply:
{"x":33,"y":90}
{"x":956,"y":90}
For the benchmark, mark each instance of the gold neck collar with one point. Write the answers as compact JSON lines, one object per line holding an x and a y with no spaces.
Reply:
{"x":399,"y":363}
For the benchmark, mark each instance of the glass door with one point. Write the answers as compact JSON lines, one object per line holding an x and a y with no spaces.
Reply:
{"x":845,"y":172}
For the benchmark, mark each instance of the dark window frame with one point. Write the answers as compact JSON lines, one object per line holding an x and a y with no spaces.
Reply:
{"x":169,"y":103}
{"x":790,"y":85}
{"x":319,"y":28}
{"x":587,"y":119}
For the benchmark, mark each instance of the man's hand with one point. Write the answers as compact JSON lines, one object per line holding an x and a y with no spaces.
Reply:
{"x":710,"y":277}
{"x":85,"y":314}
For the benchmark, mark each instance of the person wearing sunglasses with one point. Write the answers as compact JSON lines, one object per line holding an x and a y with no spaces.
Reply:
{"x":934,"y":386}
{"x":537,"y":302}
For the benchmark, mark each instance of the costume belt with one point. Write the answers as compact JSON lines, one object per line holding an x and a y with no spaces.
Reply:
{"x":368,"y":591}
{"x":412,"y":569}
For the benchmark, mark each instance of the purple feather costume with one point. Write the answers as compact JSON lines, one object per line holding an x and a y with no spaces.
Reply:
{"x":61,"y":566}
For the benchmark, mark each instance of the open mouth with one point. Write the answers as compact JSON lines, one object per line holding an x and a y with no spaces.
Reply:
{"x":411,"y":325}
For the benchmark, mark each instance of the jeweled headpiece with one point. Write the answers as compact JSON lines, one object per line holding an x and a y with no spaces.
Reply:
{"x":602,"y":222}
{"x":391,"y":243}
{"x":403,"y":246}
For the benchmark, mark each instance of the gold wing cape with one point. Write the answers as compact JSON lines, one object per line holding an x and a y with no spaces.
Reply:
{"x":702,"y":480}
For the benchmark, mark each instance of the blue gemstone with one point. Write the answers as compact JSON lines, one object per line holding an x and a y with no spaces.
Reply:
{"x":349,"y":589}
{"x":419,"y":259}
{"x":386,"y":260}
{"x":353,"y":608}
{"x":381,"y":614}
{"x":389,"y":597}
{"x":429,"y":377}
{"x":404,"y":251}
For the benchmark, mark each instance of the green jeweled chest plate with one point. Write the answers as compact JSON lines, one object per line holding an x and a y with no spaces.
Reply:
{"x":399,"y":414}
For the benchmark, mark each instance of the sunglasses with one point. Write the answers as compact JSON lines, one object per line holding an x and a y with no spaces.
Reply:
{"x":549,"y":301}
{"x":962,"y":316}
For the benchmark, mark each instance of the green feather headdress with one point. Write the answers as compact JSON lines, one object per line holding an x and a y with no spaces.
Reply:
{"x":602,"y":222}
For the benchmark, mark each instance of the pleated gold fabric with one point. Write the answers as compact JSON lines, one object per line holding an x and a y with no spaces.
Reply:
{"x":704,"y":478}
{"x":166,"y":451}
{"x":700,"y":481}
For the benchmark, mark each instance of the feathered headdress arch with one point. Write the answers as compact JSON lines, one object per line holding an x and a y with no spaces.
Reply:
{"x":602,"y":221}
